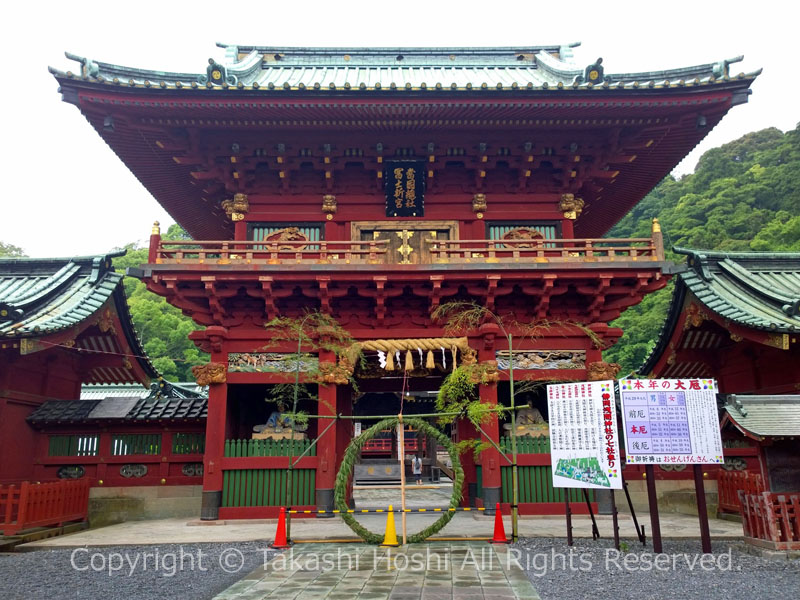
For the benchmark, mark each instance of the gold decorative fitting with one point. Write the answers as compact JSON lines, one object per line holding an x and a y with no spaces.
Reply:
{"x":287,"y":234}
{"x":156,"y":230}
{"x":656,"y":226}
{"x":736,"y":337}
{"x":600,"y":371}
{"x":479,"y":215}
{"x":237,"y":208}
{"x":571,"y":206}
{"x":106,"y":322}
{"x":210,"y":373}
{"x":329,"y":205}
{"x":522,"y":233}
{"x":694,"y":317}
{"x":778,"y":340}
{"x":479,"y":203}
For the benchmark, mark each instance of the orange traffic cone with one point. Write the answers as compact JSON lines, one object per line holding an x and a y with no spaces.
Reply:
{"x":280,"y":534}
{"x":499,"y":530}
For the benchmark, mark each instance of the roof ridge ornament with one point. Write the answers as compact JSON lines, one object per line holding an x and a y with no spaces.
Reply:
{"x":593,"y":74}
{"x":217,"y":75}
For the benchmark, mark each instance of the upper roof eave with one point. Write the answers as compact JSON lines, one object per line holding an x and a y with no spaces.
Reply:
{"x":370,"y":69}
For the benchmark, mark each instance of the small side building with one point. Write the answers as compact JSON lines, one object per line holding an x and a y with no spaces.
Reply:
{"x":770,"y":512}
{"x":63,"y":322}
{"x":735,"y":316}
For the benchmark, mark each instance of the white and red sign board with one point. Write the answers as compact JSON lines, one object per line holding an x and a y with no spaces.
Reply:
{"x":671,"y":421}
{"x":584,"y":446}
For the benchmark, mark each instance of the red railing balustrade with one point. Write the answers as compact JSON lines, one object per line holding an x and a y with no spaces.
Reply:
{"x":772,"y":517}
{"x":729,"y":483}
{"x":42,"y":504}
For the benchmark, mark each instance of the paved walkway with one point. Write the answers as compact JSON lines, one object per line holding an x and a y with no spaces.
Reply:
{"x":432,"y":571}
{"x":183,"y":531}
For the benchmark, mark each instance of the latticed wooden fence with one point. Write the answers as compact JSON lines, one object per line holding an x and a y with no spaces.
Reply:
{"x":772,"y":519}
{"x":42,"y":504}
{"x":245,"y":448}
{"x":730,"y":483}
{"x":267,"y":487}
{"x":526,"y":445}
{"x":536,"y":485}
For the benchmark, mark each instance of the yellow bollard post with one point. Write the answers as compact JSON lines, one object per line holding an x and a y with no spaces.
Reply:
{"x":390,"y":537}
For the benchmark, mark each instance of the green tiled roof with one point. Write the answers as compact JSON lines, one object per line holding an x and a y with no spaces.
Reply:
{"x":324,"y":69}
{"x":43,"y":296}
{"x":40,"y":296}
{"x":759,"y":290}
{"x":765,"y":416}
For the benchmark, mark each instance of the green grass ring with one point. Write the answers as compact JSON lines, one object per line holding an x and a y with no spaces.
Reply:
{"x":349,"y":460}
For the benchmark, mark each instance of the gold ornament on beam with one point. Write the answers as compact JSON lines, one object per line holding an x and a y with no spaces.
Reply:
{"x":479,"y":205}
{"x":329,"y":206}
{"x":210,"y":373}
{"x":237,"y":208}
{"x":571,"y":206}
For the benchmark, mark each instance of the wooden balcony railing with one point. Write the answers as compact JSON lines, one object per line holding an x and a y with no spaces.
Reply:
{"x":545,"y":251}
{"x":265,"y":252}
{"x":376,"y":251}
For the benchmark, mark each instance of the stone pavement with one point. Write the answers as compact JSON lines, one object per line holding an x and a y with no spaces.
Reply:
{"x":430,"y":571}
{"x":183,"y":531}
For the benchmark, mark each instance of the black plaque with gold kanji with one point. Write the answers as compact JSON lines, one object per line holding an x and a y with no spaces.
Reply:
{"x":405,"y":189}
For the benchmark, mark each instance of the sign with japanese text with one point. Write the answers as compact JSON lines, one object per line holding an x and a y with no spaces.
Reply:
{"x":405,"y":189}
{"x":584,"y":447}
{"x":671,"y":421}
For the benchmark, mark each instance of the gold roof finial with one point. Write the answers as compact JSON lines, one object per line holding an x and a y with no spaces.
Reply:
{"x":656,"y":226}
{"x":156,"y":228}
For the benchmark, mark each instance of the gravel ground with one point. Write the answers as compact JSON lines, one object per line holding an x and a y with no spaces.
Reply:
{"x":596,"y":570}
{"x":121,"y":572}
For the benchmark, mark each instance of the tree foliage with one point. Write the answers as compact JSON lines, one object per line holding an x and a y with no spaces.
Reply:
{"x":163,"y":329}
{"x":11,"y":251}
{"x":743,"y":196}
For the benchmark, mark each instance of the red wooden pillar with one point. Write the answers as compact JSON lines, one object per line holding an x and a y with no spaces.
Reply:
{"x":344,"y":427}
{"x":490,"y":458}
{"x":215,"y":449}
{"x":327,"y":405}
{"x":155,"y":240}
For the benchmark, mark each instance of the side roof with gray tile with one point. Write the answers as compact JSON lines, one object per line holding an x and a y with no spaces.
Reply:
{"x":765,"y":416}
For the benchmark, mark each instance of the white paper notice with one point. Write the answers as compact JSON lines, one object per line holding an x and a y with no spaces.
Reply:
{"x":584,"y":448}
{"x":671,"y":421}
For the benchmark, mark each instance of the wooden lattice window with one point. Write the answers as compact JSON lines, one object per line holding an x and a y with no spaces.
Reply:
{"x":73,"y":445}
{"x":123,"y":444}
{"x":188,"y":443}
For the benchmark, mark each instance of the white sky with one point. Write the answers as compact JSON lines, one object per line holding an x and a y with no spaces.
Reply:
{"x":66,"y":193}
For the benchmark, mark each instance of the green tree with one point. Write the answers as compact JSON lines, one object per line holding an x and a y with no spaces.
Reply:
{"x":11,"y":251}
{"x":743,"y":196}
{"x":163,"y":329}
